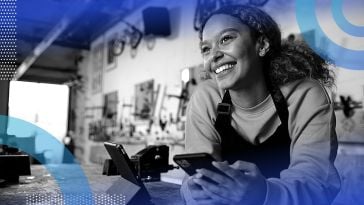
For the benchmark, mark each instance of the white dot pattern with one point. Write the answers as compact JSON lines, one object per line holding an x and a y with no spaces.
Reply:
{"x":75,"y":199}
{"x":8,"y":39}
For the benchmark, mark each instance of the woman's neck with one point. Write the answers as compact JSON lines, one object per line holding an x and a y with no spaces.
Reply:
{"x":250,"y":96}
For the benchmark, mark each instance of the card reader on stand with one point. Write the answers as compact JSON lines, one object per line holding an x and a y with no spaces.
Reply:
{"x":149,"y":163}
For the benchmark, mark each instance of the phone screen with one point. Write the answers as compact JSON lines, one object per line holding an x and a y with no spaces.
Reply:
{"x":190,"y":162}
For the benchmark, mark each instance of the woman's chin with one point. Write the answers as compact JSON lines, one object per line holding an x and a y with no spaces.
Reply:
{"x":226,"y":81}
{"x":224,"y":85}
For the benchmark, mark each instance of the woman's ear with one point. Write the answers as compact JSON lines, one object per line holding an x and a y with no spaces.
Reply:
{"x":263,"y":46}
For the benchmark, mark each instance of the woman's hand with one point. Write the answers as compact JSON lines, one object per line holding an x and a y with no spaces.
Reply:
{"x":200,"y":196}
{"x":242,"y":184}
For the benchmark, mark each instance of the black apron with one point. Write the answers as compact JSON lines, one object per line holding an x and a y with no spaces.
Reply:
{"x":271,"y":156}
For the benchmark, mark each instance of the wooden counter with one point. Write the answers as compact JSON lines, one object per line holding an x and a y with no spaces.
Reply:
{"x":42,"y":183}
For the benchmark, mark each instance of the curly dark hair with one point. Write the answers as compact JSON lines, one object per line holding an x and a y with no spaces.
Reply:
{"x":285,"y":61}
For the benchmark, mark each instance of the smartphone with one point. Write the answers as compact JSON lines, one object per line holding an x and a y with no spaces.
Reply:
{"x":190,"y":162}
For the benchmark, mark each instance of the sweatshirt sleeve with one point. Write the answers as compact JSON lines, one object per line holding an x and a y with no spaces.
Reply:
{"x":201,"y":136}
{"x":311,"y":177}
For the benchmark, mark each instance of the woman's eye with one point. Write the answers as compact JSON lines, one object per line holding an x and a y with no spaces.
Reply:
{"x":205,"y":50}
{"x":225,"y":39}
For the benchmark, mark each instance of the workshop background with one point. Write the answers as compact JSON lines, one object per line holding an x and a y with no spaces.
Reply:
{"x":123,"y":71}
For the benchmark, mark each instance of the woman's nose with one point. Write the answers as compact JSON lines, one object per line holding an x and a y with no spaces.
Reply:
{"x":217,"y":55}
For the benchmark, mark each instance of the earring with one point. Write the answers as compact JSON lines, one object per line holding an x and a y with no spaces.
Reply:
{"x":262,"y":52}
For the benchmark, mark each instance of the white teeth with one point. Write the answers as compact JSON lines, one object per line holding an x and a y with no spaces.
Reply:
{"x":223,"y":67}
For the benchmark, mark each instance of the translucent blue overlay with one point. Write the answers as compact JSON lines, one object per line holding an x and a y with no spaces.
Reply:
{"x":70,"y":179}
{"x":342,"y":22}
{"x":307,"y":20}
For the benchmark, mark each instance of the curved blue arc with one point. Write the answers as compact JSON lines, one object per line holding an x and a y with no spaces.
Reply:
{"x":343,"y":57}
{"x":71,"y":179}
{"x":342,"y":22}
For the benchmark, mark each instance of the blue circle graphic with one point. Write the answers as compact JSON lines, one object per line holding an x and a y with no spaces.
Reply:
{"x":342,"y":22}
{"x":71,"y":180}
{"x":307,"y":20}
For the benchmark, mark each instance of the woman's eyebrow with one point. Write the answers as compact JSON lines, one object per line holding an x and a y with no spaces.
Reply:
{"x":203,"y":43}
{"x":228,"y":30}
{"x":220,"y":33}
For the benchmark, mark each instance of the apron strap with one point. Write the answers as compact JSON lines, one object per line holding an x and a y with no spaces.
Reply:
{"x":223,"y":113}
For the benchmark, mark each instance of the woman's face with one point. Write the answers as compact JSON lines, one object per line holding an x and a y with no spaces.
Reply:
{"x":230,"y":53}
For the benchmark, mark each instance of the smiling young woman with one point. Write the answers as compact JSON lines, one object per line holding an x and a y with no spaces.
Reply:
{"x":231,"y":55}
{"x":278,"y":143}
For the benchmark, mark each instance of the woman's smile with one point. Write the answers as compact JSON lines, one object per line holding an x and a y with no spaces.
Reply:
{"x":224,"y":67}
{"x":224,"y":70}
